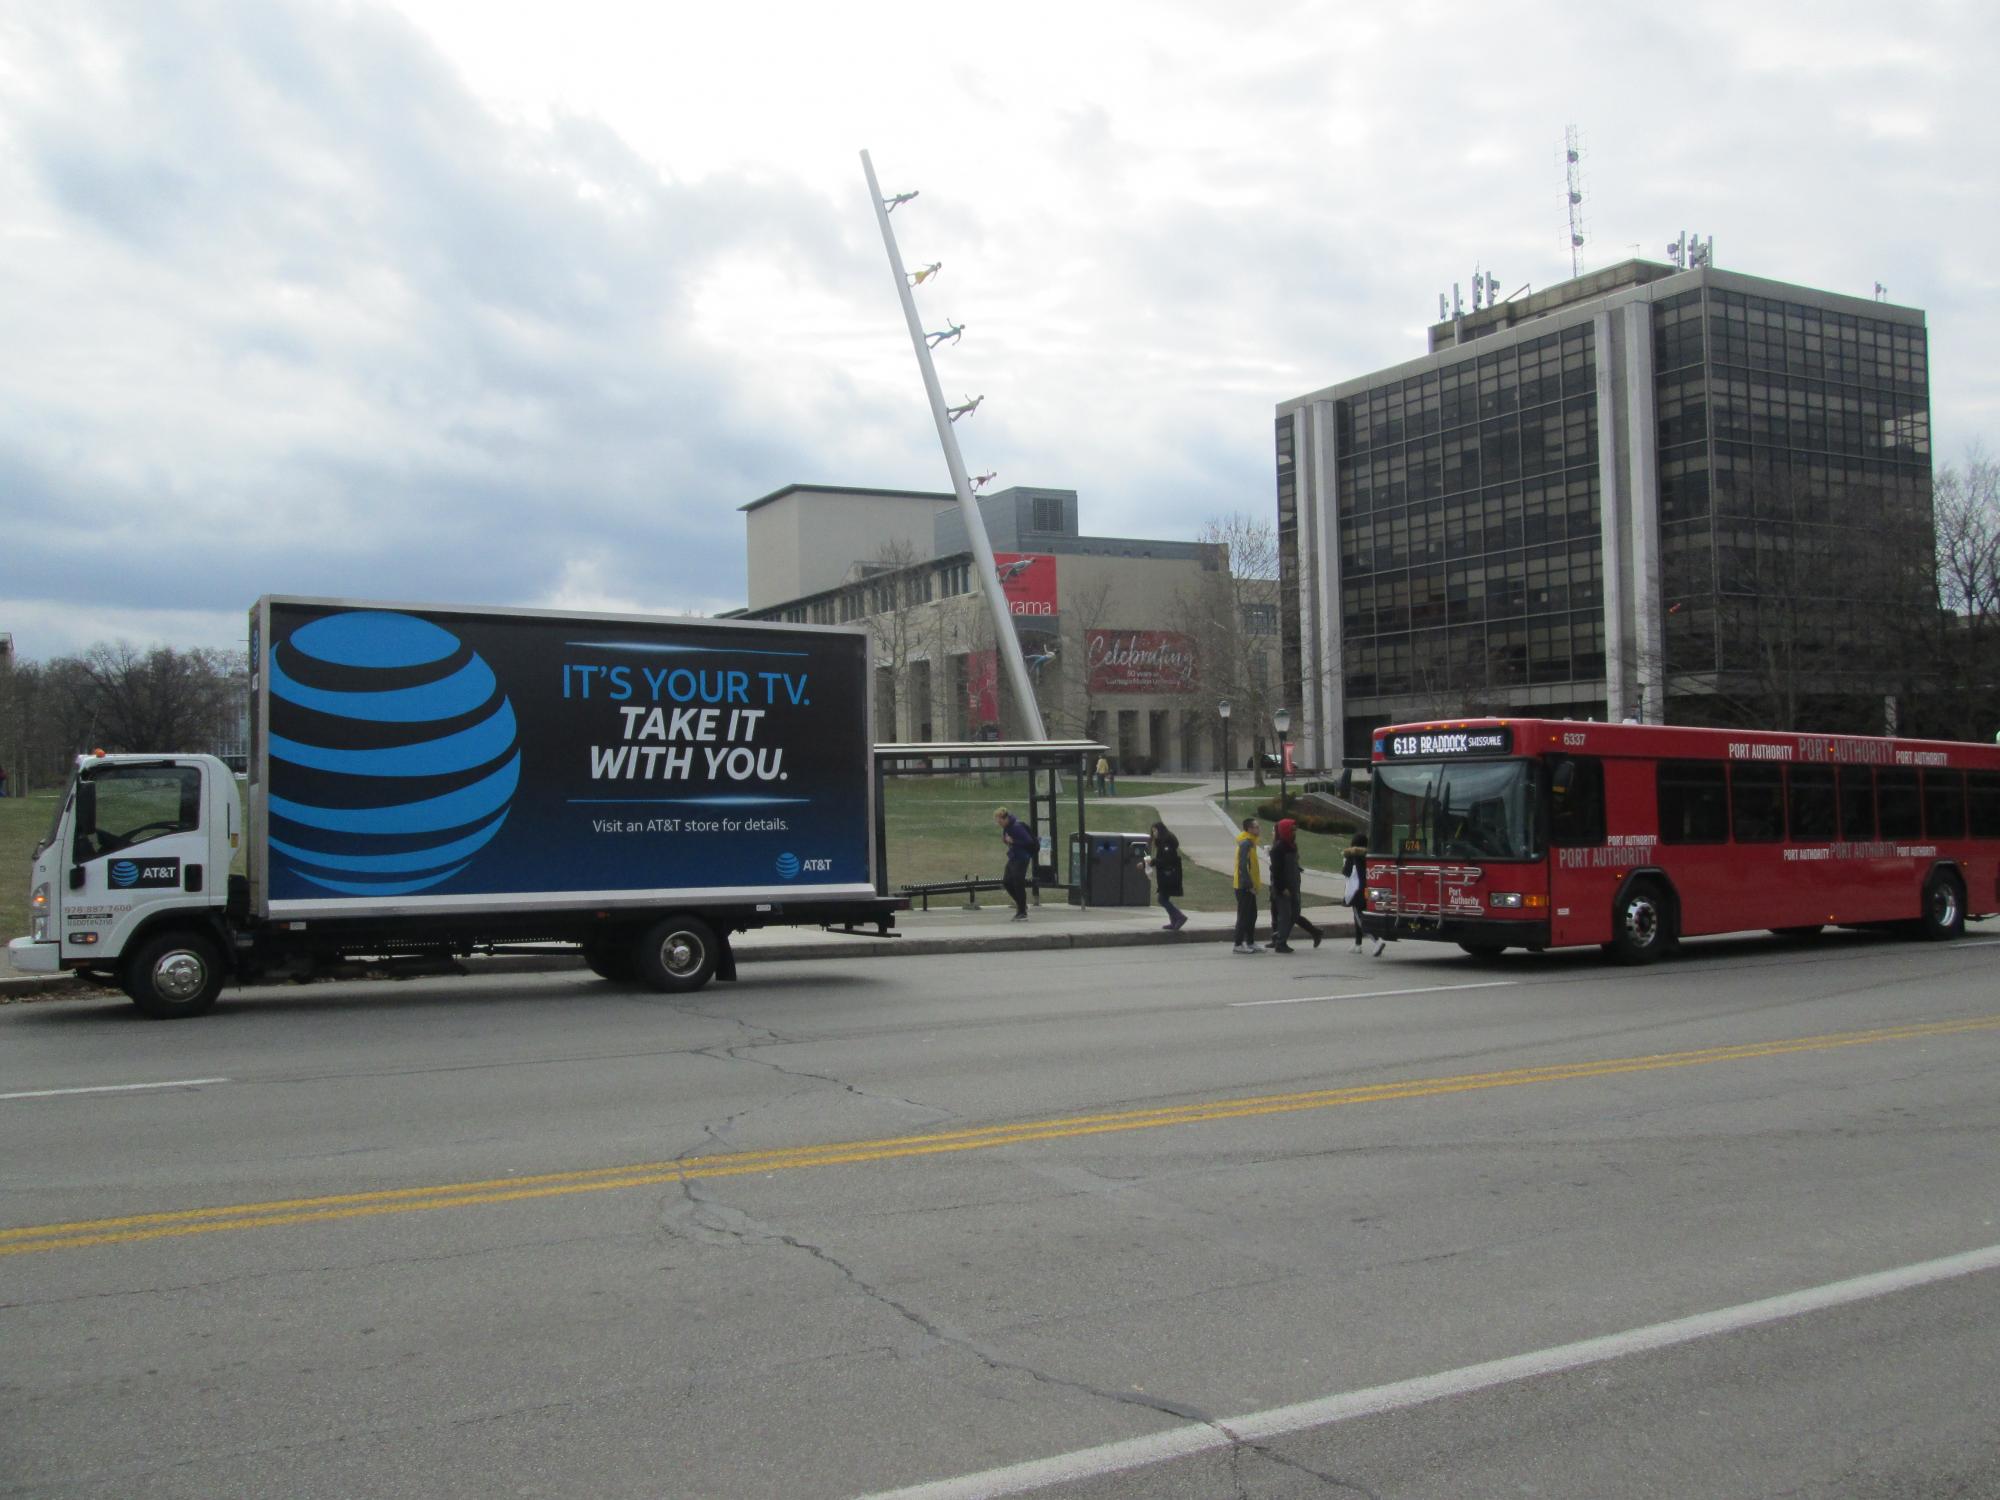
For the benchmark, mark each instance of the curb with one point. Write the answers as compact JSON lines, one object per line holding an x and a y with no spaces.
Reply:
{"x":70,"y":987}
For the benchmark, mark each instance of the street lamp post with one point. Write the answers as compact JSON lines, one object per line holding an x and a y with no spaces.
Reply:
{"x":1222,"y":708}
{"x":1282,"y":722}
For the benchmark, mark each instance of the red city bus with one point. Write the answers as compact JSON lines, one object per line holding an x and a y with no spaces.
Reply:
{"x":1550,"y":833}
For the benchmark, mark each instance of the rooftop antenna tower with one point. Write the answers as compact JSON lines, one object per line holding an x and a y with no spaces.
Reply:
{"x":1573,"y":158}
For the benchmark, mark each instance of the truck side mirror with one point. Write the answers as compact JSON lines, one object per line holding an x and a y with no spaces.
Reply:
{"x":86,"y":829}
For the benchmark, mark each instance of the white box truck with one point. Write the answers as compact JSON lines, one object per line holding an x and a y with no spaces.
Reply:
{"x":427,"y":782}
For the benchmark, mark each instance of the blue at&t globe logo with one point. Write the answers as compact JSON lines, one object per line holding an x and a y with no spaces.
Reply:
{"x":394,"y":756}
{"x":788,"y":866}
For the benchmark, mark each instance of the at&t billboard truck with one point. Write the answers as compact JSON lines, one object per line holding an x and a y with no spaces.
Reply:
{"x":429,"y":782}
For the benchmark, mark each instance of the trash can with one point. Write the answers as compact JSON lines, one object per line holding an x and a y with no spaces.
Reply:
{"x":1108,"y":869}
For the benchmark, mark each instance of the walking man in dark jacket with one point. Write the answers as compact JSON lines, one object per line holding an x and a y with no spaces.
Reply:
{"x":1021,"y":849}
{"x":1287,"y":889}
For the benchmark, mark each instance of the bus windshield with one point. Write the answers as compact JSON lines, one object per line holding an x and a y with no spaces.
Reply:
{"x":1455,"y":810}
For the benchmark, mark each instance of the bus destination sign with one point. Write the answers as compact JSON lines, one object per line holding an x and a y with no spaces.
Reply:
{"x":1441,"y":744}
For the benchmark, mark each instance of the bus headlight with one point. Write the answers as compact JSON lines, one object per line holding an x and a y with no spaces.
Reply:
{"x":1509,"y":899}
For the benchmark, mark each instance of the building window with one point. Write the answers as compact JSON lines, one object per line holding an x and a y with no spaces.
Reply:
{"x":1048,"y":514}
{"x":1260,"y":619}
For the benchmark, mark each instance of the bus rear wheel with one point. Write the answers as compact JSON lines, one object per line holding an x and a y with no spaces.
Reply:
{"x":1642,"y":925}
{"x":1944,"y":907}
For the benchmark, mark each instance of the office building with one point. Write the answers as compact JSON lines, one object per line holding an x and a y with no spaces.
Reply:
{"x":1644,"y":493}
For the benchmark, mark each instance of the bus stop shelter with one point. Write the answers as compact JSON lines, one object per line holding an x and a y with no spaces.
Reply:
{"x":1043,"y":762}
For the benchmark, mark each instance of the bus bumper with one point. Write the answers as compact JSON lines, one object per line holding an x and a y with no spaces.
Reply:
{"x":1469,"y":931}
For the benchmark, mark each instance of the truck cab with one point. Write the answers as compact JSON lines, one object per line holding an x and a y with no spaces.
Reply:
{"x":133,"y":879}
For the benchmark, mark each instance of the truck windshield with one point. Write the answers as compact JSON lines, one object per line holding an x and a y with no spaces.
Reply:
{"x":1455,"y":810}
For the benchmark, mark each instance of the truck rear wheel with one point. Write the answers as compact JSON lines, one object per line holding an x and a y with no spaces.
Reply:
{"x":678,"y":954}
{"x":174,"y":974}
{"x":613,"y":956}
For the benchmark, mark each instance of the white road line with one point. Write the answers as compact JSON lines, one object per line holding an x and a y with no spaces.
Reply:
{"x":115,"y":1088}
{"x":1180,"y":1442}
{"x":1433,"y":989}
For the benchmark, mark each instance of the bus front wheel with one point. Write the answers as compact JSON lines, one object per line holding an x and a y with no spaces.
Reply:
{"x":1944,"y":907}
{"x":1642,"y":926}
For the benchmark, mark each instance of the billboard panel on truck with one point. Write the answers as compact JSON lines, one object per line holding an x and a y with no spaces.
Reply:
{"x":430,"y":758}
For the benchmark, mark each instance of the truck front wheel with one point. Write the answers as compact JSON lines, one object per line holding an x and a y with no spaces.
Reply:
{"x":678,"y":954}
{"x":174,"y":974}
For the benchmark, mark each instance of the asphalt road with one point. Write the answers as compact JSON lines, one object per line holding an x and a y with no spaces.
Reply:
{"x":1094,"y":1224}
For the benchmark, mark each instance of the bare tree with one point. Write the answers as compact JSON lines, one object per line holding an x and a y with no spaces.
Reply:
{"x":1966,"y":510}
{"x":1232,"y":615}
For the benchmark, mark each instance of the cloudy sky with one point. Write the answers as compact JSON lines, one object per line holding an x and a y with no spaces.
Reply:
{"x":516,"y":303}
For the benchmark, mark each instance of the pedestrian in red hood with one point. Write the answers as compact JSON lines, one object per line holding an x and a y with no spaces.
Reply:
{"x":1286,"y":881}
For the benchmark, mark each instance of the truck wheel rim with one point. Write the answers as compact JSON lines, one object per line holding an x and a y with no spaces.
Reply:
{"x":681,"y":954}
{"x":180,"y":975}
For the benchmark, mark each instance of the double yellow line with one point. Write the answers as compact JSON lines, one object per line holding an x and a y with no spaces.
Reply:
{"x":287,"y":1211}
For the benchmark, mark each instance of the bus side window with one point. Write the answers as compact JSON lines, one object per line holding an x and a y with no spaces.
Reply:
{"x":1898,"y":812}
{"x":1857,"y":804}
{"x":1944,"y":804}
{"x":1756,"y":804}
{"x":1983,"y":803}
{"x":1814,"y":814}
{"x":1694,"y":802}
{"x":1576,"y":803}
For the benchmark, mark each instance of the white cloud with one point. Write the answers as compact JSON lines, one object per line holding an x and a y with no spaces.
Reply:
{"x":485,"y":302}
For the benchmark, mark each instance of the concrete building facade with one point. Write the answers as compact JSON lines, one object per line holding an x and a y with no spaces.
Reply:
{"x":1129,"y":641}
{"x":1598,"y":500}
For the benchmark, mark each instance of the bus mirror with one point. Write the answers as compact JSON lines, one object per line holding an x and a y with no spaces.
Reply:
{"x":1564,"y":777}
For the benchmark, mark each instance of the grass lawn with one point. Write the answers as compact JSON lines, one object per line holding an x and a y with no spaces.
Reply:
{"x":941,"y":828}
{"x":1317,"y":851}
{"x":23,"y":822}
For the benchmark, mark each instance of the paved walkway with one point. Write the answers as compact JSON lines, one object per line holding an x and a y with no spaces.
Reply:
{"x":1206,"y":836}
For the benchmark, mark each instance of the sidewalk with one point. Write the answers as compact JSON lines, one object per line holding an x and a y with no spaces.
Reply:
{"x":1206,"y":837}
{"x":989,"y":929}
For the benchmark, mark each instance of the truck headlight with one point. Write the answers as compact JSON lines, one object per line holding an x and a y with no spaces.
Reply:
{"x":38,"y":908}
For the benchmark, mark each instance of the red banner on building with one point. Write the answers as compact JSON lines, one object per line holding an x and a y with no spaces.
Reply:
{"x":982,"y":687}
{"x":1028,"y":579}
{"x":1140,"y":661}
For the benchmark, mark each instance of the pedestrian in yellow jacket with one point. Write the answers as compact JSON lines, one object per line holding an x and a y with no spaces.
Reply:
{"x":1249,"y":880}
